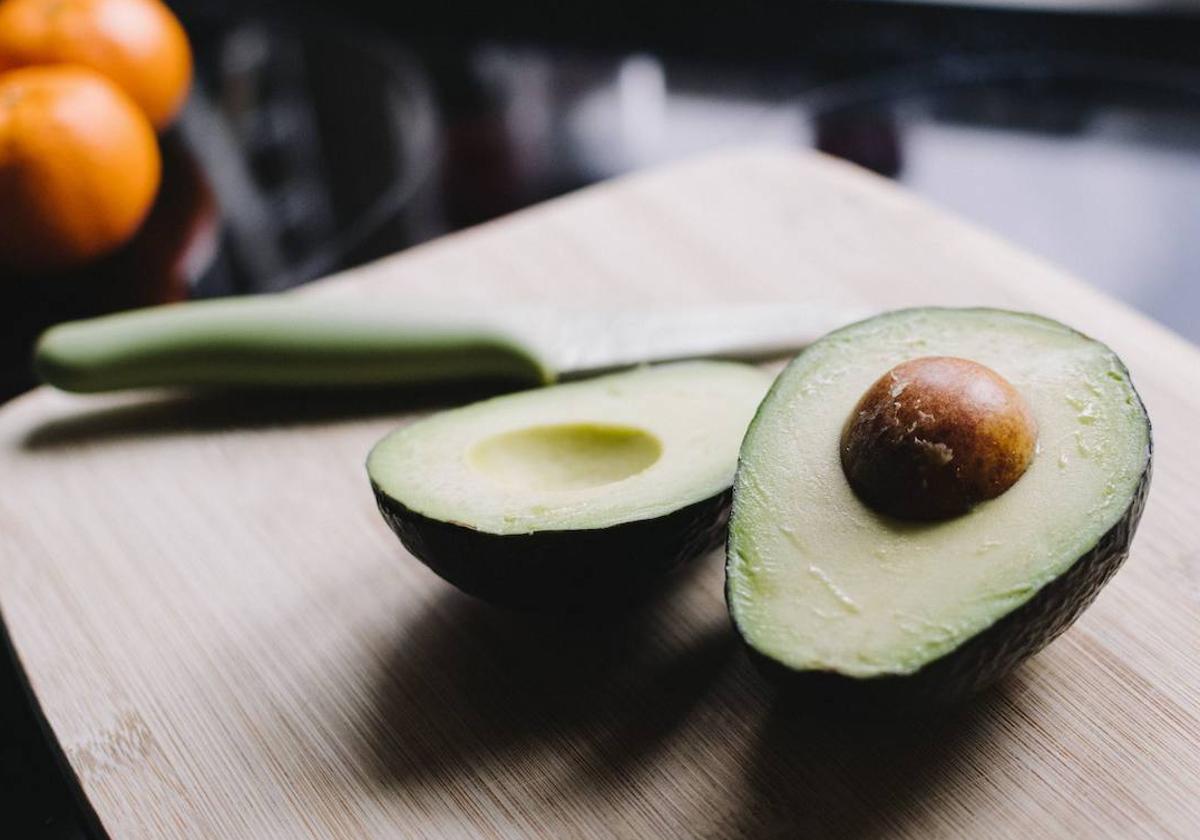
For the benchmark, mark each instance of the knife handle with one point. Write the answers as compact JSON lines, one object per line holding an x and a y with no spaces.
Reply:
{"x":284,"y":341}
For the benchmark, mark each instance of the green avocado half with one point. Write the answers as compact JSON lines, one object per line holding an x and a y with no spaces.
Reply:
{"x":830,"y":594}
{"x":571,"y":494}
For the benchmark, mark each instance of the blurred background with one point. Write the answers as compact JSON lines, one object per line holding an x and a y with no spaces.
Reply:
{"x":318,"y":136}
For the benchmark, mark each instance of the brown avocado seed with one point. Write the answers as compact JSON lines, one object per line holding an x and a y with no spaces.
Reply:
{"x":935,"y":436}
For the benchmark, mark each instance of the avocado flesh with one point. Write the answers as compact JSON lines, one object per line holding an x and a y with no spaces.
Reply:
{"x":818,"y":582}
{"x":571,"y":492}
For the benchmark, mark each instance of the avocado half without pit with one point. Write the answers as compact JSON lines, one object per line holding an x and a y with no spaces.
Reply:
{"x":588,"y":492}
{"x":928,"y":497}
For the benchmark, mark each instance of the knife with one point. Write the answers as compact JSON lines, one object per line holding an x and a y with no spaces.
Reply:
{"x":310,"y":341}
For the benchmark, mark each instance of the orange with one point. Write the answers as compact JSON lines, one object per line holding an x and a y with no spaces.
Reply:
{"x":79,"y":167}
{"x":139,"y":44}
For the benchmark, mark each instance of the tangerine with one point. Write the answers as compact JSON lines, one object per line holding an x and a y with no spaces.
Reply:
{"x":79,"y":167}
{"x":139,"y":44}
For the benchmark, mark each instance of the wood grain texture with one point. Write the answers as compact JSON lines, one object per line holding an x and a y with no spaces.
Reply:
{"x":229,"y":643}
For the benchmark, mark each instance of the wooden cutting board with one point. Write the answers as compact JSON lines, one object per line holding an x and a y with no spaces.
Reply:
{"x":229,"y":643}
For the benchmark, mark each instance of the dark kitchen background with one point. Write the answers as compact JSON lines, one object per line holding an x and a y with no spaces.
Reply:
{"x":321,"y":135}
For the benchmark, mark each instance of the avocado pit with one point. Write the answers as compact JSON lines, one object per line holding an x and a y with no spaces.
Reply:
{"x":934,"y":436}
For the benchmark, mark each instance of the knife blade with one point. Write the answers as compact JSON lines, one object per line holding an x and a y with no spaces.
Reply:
{"x":312,"y":341}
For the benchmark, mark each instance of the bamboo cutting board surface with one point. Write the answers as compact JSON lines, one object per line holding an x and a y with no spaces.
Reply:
{"x":228,"y":642}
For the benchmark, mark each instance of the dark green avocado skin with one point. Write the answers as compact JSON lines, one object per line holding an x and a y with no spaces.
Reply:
{"x":988,"y":656}
{"x":561,"y":571}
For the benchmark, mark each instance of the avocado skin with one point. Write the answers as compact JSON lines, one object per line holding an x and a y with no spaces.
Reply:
{"x":989,"y":655}
{"x":561,"y":571}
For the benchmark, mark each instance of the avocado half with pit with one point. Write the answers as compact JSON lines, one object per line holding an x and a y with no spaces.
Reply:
{"x":928,"y":497}
{"x":571,"y":494}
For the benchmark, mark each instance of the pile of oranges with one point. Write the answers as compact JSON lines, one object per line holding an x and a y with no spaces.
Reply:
{"x":84,"y":87}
